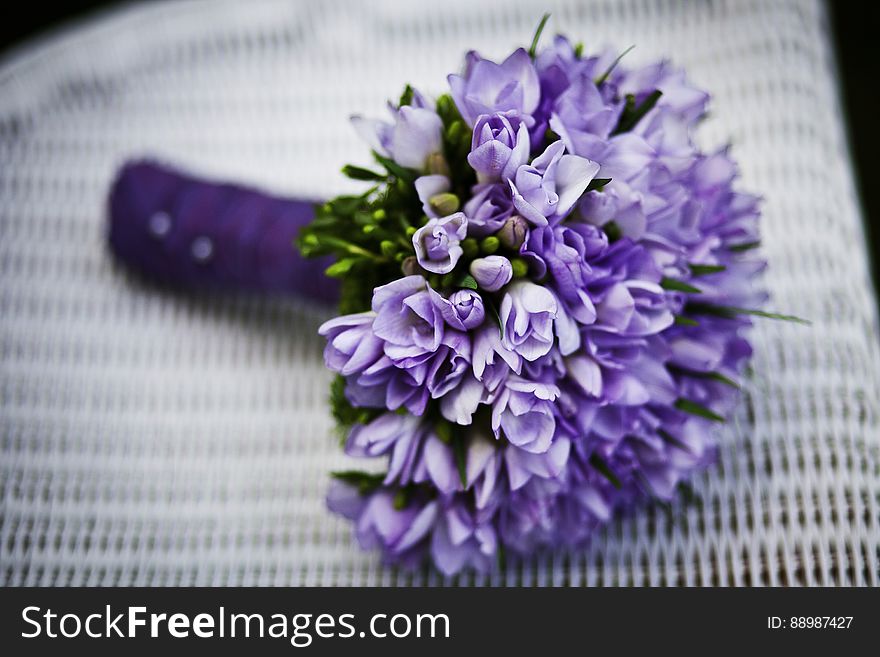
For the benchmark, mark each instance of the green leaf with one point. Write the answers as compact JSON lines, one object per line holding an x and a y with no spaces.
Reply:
{"x":745,"y":246}
{"x":730,"y":312}
{"x":672,"y":440}
{"x":399,"y":172}
{"x":704,"y":270}
{"x":365,"y":482}
{"x":715,"y":376}
{"x":468,"y":282}
{"x":359,"y":173}
{"x":406,"y":97}
{"x":633,"y":113}
{"x":685,"y":321}
{"x":771,"y":315}
{"x":597,"y":184}
{"x":612,"y":231}
{"x":401,"y":499}
{"x":699,"y":410}
{"x":340,"y":267}
{"x":678,"y":286}
{"x":598,"y":81}
{"x":534,"y":47}
{"x":600,"y":465}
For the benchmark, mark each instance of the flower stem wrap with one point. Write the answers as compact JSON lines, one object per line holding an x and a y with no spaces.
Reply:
{"x":194,"y":234}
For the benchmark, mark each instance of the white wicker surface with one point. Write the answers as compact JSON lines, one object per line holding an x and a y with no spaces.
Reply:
{"x":155,"y":439}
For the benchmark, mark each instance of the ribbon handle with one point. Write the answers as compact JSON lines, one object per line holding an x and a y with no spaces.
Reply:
{"x":193,"y":234}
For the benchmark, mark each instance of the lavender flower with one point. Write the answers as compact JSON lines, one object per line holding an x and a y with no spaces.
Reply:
{"x":492,"y":272}
{"x":487,"y":87}
{"x":536,"y":406}
{"x":415,"y":135}
{"x":524,"y":413}
{"x":437,"y":243}
{"x":500,"y":146}
{"x":489,"y":208}
{"x":546,"y":190}
{"x":527,"y":313}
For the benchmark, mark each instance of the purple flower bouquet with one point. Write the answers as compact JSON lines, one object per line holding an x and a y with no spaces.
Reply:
{"x":545,"y":294}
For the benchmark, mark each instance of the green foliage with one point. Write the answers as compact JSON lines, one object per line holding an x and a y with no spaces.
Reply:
{"x":633,"y":113}
{"x":705,"y":270}
{"x":611,"y":68}
{"x":534,"y":47}
{"x":692,"y":407}
{"x":679,"y":286}
{"x":731,"y":312}
{"x":598,"y":184}
{"x":365,"y":482}
{"x":602,"y":467}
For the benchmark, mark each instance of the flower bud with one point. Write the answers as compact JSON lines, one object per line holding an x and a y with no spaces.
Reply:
{"x":514,"y":232}
{"x":490,"y":245}
{"x":520,"y":267}
{"x":436,"y":165}
{"x":492,"y":272}
{"x":471,"y":248}
{"x":410,"y":266}
{"x":388,"y":248}
{"x":444,"y":204}
{"x":437,"y":243}
{"x":468,"y":307}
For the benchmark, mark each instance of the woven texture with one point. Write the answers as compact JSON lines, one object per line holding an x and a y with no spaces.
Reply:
{"x":153,"y":438}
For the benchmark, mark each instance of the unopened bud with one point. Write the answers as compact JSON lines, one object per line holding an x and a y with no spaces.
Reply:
{"x":513,"y":233}
{"x":444,"y":204}
{"x":471,"y":248}
{"x":520,"y":267}
{"x":490,"y":245}
{"x":388,"y":248}
{"x":437,"y":165}
{"x":492,"y":272}
{"x":410,"y":266}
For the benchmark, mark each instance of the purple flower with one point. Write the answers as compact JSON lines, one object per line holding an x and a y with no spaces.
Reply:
{"x":492,"y":272}
{"x":416,"y":455}
{"x":467,"y":310}
{"x":489,"y":208}
{"x":408,"y":318}
{"x":460,"y":540}
{"x":488,"y":87}
{"x":547,"y":189}
{"x":379,"y":523}
{"x":500,"y":146}
{"x":437,"y":242}
{"x":527,"y":313}
{"x":522,"y":464}
{"x":415,"y":135}
{"x":523,"y":412}
{"x":564,"y":252}
{"x":582,"y":118}
{"x":351,"y":344}
{"x":564,"y":385}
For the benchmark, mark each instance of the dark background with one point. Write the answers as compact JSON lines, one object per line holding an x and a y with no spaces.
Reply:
{"x":856,"y":25}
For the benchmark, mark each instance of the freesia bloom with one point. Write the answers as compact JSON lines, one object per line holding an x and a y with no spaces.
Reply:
{"x":437,"y":243}
{"x":560,"y":348}
{"x":492,"y":272}
{"x":527,"y":313}
{"x":500,"y":146}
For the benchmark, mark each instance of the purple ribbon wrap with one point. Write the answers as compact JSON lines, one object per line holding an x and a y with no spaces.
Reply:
{"x":193,"y":234}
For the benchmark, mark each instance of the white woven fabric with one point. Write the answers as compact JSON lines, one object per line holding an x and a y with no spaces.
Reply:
{"x":152,"y":439}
